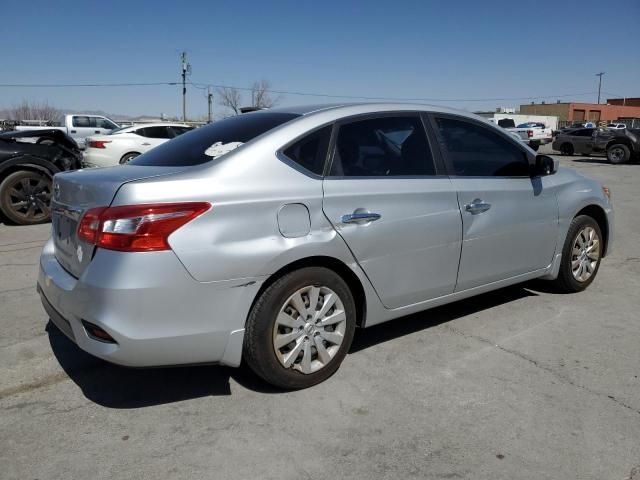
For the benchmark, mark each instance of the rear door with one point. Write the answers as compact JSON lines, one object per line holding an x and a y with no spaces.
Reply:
{"x":395,"y":210}
{"x":509,"y":219}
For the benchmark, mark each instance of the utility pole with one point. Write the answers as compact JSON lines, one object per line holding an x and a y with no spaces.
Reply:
{"x":186,"y":70}
{"x":599,"y":84}
{"x":210,"y":103}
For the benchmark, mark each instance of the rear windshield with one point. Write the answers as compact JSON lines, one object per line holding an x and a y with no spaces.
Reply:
{"x":206,"y":143}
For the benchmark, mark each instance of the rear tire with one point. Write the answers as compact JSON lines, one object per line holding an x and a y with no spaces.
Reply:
{"x":581,"y":255}
{"x":314,"y":309}
{"x":618,"y":153}
{"x":25,"y":197}
{"x":128,"y":157}
{"x":566,"y":149}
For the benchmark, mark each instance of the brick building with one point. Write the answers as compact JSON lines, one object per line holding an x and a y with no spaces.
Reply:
{"x":629,"y":102}
{"x":577,"y":112}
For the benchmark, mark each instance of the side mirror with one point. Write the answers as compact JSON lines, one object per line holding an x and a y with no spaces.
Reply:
{"x":545,"y":165}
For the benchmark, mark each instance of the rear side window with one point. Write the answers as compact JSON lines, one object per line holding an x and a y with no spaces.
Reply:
{"x":311,"y":151}
{"x":78,"y":121}
{"x":382,"y":147}
{"x":157,"y":132}
{"x":200,"y":145}
{"x":476,"y":151}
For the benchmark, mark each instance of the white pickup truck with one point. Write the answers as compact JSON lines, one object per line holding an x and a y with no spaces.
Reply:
{"x":533,"y":134}
{"x":79,"y":127}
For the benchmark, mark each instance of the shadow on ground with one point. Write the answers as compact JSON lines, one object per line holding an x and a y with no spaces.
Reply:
{"x":113,"y":386}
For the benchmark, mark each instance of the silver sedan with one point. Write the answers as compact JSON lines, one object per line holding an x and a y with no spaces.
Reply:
{"x":271,"y":236}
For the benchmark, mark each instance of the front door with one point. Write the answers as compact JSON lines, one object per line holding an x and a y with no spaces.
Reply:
{"x":509,"y":219}
{"x":397,"y":215}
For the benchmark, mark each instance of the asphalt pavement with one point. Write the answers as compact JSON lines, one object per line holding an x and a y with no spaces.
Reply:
{"x":521,"y":383}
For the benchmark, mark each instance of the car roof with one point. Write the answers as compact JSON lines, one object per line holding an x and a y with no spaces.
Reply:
{"x":345,"y":109}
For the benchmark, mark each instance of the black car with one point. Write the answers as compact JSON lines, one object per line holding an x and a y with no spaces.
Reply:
{"x":26,"y":171}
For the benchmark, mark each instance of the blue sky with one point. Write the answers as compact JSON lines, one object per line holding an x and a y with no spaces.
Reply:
{"x":422,"y":49}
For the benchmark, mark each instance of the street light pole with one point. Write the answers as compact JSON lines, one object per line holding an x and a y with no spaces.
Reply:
{"x":599,"y":84}
{"x":210,"y":103}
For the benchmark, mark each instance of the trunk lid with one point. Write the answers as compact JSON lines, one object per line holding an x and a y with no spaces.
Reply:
{"x":76,"y":192}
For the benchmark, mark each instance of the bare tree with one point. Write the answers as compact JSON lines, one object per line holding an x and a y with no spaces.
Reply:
{"x":260,"y":95}
{"x":230,"y":97}
{"x":40,"y":111}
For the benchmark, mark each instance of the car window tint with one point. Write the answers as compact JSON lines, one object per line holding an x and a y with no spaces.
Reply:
{"x":189,"y":149}
{"x":157,"y":132}
{"x":179,"y":130}
{"x":478,"y":152}
{"x":587,"y":132}
{"x":382,"y":147}
{"x":78,"y":121}
{"x":311,"y":151}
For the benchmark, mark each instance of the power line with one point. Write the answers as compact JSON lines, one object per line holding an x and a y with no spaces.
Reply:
{"x":204,"y":86}
{"x":64,"y":85}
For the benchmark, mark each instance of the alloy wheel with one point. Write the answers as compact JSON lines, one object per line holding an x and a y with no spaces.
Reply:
{"x":616,"y":155}
{"x":309,"y":329}
{"x":29,"y":198}
{"x":585,"y":254}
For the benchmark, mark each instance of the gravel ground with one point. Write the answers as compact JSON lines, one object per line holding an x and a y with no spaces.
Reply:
{"x":521,"y":383}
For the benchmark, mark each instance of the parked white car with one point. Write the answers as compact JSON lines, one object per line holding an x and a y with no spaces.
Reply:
{"x":125,"y":144}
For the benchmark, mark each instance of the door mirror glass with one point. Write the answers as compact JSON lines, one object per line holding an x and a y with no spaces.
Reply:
{"x":545,"y":165}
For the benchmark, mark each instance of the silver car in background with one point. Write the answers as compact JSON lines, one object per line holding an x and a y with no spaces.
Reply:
{"x":270,"y":236}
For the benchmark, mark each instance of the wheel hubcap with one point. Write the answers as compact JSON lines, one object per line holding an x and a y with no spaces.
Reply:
{"x":29,"y":198}
{"x":309,"y":329}
{"x":585,"y":254}
{"x":616,"y":154}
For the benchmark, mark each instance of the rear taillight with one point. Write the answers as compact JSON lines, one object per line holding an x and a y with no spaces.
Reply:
{"x":137,"y":228}
{"x":529,"y":133}
{"x":98,"y":143}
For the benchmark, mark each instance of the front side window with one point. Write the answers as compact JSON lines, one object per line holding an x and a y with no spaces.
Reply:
{"x":311,"y":151}
{"x":382,"y":147}
{"x":476,"y":151}
{"x":203,"y":144}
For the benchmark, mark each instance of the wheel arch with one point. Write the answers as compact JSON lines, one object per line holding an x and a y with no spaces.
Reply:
{"x":333,"y":264}
{"x":598,"y":214}
{"x":18,"y":164}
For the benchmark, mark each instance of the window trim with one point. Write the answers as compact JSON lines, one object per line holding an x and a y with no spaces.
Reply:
{"x":433,"y":116}
{"x":440,"y":173}
{"x":280,"y":155}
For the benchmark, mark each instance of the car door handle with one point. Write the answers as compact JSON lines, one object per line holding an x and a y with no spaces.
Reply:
{"x":364,"y":217}
{"x":477,"y":206}
{"x":146,"y":144}
{"x":96,"y":131}
{"x":73,"y":131}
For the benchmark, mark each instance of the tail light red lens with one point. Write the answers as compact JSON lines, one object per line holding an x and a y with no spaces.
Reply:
{"x":137,"y":228}
{"x":529,"y":133}
{"x":98,"y":143}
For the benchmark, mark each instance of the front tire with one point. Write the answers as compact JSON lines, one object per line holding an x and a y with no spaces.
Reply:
{"x":566,"y":149}
{"x":300,"y":328}
{"x":581,"y":255}
{"x":25,"y":197}
{"x":618,"y":153}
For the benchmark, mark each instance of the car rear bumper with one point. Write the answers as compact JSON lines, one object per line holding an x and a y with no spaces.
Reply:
{"x":94,"y":157}
{"x":155,"y":312}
